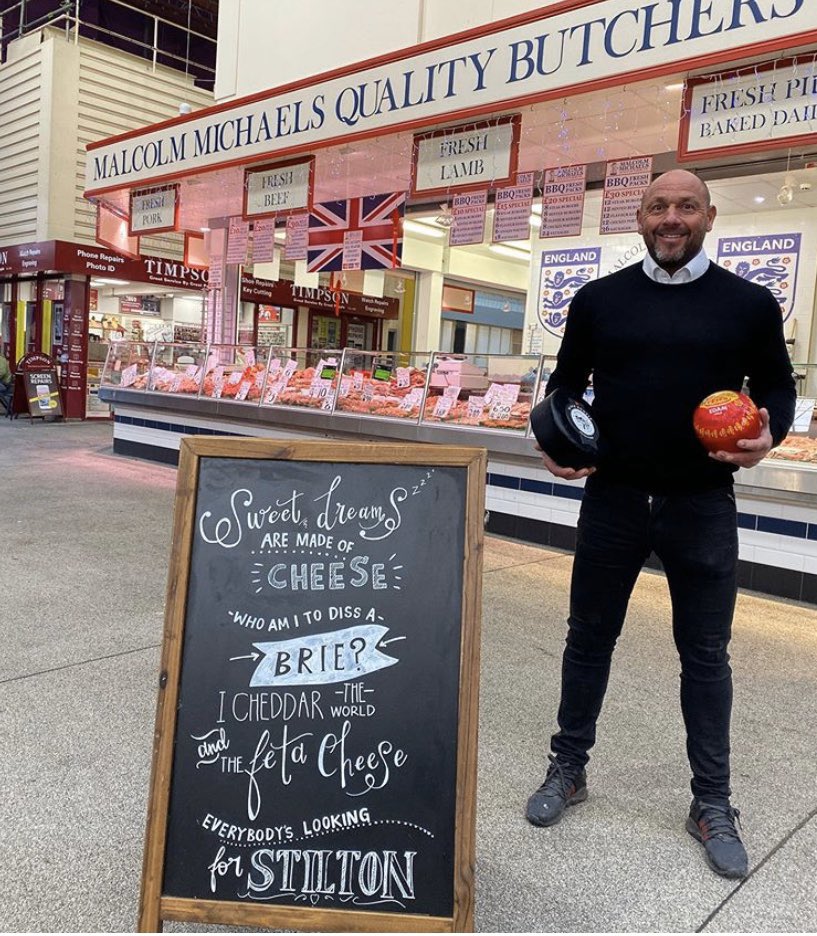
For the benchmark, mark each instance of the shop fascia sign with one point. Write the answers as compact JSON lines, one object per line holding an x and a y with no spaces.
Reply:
{"x":764,"y":107}
{"x":63,"y":257}
{"x":286,"y":293}
{"x":27,"y":258}
{"x":573,"y":47}
{"x":95,"y":261}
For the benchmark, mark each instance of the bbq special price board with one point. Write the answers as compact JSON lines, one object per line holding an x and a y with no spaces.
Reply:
{"x":315,"y":751}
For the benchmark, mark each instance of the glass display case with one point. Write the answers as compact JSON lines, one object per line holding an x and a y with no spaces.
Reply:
{"x":387,"y":384}
{"x":482,"y":391}
{"x":800,"y":445}
{"x":488,"y":392}
{"x":177,"y":367}
{"x":234,"y":372}
{"x":97,"y":355}
{"x":302,"y":377}
{"x":127,"y":365}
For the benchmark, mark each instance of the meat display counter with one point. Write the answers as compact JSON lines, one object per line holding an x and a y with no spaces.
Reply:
{"x":486,"y":393}
{"x":164,"y":391}
{"x":483,"y":392}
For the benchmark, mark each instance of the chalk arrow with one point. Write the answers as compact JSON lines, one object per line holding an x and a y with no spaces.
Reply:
{"x":249,"y":656}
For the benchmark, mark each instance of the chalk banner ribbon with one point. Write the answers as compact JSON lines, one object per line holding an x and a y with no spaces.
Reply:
{"x":322,"y":658}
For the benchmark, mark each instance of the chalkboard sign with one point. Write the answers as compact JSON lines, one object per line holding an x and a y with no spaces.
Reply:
{"x":42,"y":392}
{"x":37,"y":373}
{"x":315,"y":758}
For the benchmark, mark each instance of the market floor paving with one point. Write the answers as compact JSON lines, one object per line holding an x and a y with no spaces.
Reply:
{"x":85,"y":548}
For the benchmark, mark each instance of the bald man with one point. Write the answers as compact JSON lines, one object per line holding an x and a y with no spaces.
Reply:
{"x":657,"y":337}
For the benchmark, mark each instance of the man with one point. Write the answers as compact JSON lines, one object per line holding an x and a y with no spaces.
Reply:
{"x":658,"y":337}
{"x":6,"y":383}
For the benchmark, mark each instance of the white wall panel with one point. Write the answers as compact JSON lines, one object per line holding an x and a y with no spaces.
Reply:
{"x":259,"y":47}
{"x":20,"y":92}
{"x":55,"y":97}
{"x":443,"y":19}
{"x":116,"y":93}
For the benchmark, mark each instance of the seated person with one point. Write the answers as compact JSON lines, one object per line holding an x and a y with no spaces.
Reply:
{"x":6,"y":383}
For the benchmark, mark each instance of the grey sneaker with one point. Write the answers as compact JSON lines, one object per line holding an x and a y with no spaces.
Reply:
{"x":564,"y":786}
{"x":717,"y":828}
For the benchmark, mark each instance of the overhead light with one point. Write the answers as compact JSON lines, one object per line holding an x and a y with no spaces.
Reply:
{"x":515,"y":253}
{"x":759,"y":199}
{"x":677,"y":86}
{"x":204,"y":230}
{"x":104,"y":281}
{"x":427,"y":230}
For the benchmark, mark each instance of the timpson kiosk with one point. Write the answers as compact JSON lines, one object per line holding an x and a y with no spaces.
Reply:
{"x":50,"y":306}
{"x":536,"y":123}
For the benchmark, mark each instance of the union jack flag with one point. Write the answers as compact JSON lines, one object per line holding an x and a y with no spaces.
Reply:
{"x":376,"y":216}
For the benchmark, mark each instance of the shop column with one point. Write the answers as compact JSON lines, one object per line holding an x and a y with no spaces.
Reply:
{"x":428,"y":312}
{"x":73,"y":379}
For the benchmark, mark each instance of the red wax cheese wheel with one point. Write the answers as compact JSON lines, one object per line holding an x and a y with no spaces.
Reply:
{"x":723,"y":418}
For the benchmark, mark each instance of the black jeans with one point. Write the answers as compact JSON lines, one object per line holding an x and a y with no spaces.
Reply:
{"x":6,"y":395}
{"x":695,"y":536}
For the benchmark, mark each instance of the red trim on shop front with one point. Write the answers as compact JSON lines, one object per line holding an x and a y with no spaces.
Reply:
{"x":190,"y":236}
{"x":110,"y":244}
{"x":655,"y":71}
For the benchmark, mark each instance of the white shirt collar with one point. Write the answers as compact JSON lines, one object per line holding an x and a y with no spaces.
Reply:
{"x":696,"y":268}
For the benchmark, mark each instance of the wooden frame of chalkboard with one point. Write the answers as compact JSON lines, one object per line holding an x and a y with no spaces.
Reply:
{"x":354,"y":834}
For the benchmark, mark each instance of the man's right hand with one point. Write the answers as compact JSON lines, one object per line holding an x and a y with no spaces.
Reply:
{"x":566,"y":474}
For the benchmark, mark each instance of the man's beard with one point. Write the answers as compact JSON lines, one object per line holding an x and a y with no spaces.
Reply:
{"x":670,"y":256}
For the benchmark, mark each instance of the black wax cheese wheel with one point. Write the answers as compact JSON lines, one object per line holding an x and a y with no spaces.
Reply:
{"x":565,"y":430}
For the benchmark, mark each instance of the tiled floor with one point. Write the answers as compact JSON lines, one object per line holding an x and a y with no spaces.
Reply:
{"x":85,"y":549}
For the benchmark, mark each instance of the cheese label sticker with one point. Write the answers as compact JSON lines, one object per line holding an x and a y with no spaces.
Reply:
{"x":582,"y":421}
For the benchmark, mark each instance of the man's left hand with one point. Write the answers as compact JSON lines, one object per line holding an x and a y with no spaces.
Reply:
{"x":753,"y":451}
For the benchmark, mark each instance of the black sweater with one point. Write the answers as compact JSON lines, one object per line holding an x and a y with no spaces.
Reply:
{"x":655,"y":351}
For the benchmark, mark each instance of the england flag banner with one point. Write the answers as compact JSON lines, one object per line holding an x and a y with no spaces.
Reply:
{"x":562,"y":274}
{"x":376,"y":217}
{"x":770,"y":260}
